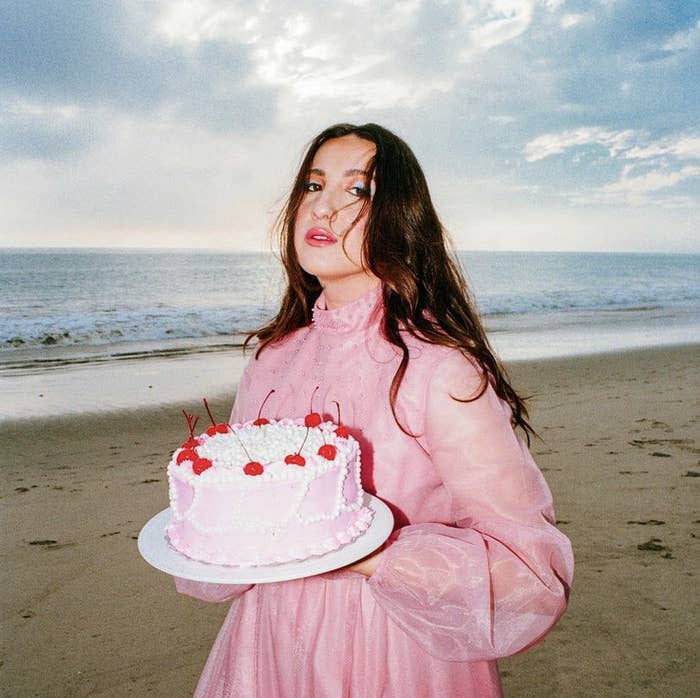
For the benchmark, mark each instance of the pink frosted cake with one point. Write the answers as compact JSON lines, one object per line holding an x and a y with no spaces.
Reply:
{"x":266,"y":492}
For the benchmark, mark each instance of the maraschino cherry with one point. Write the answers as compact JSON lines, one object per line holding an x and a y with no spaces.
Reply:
{"x":200,"y":465}
{"x":313,"y":419}
{"x":186,"y":454}
{"x":328,"y":451}
{"x":297,"y":458}
{"x":253,"y":468}
{"x":263,"y":420}
{"x":340,"y":430}
{"x":214,"y":429}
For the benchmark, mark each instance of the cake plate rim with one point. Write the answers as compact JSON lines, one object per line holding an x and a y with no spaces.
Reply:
{"x":155,"y":549}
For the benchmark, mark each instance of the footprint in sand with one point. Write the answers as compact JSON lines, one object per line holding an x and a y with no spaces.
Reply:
{"x":648,"y":522}
{"x":50,"y":544}
{"x":654,"y":423}
{"x":682,"y":444}
{"x":655,"y":544}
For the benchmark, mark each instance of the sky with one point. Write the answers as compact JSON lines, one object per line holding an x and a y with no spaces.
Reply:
{"x":540,"y":124}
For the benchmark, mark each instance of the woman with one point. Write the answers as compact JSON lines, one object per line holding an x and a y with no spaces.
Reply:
{"x":377,"y":314}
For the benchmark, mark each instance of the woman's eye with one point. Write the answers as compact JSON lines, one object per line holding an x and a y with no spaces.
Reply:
{"x":313,"y":186}
{"x":359,"y":191}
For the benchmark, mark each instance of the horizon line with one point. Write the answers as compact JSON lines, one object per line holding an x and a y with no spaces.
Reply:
{"x":247,"y":250}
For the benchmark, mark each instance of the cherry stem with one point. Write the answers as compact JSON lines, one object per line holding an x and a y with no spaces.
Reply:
{"x":245,"y":450}
{"x":306,"y":436}
{"x":311,"y":402}
{"x":191,"y":423}
{"x":338,"y":406}
{"x":264,"y":401}
{"x":211,"y":416}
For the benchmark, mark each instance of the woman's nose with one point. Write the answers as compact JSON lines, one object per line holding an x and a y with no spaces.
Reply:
{"x":324,"y":205}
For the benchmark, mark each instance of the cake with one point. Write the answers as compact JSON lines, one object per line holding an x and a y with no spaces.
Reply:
{"x":266,"y":492}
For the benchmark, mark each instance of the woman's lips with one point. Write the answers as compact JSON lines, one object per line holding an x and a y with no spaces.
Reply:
{"x":320,"y":237}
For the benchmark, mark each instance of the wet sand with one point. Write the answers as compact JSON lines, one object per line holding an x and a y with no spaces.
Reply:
{"x":82,"y":614}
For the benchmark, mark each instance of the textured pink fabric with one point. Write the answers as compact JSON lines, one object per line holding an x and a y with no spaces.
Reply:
{"x":475,"y":570}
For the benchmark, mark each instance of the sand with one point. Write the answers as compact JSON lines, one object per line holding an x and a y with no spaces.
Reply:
{"x":84,"y":615}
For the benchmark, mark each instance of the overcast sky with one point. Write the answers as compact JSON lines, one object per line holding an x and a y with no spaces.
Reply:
{"x":541,"y":124}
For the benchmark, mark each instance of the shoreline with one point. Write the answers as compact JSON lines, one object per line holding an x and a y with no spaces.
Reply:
{"x":167,"y":378}
{"x":620,"y":441}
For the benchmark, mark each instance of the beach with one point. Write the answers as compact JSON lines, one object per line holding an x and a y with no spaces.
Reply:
{"x":84,"y":615}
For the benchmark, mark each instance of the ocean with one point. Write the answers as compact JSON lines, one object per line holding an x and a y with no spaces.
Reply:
{"x":59,"y":306}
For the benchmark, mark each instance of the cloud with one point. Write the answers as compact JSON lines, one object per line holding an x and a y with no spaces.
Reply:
{"x":38,"y":131}
{"x":498,"y":22}
{"x":231,"y":66}
{"x":88,"y":52}
{"x":502,"y":119}
{"x":353,"y":56}
{"x":571,"y":20}
{"x":652,"y":181}
{"x":549,"y":144}
{"x":629,"y":144}
{"x":684,"y":40}
{"x":685,"y":147}
{"x":168,"y":117}
{"x":645,"y":166}
{"x":105,"y":58}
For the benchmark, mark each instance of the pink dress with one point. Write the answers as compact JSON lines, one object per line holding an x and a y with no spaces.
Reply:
{"x":475,"y":569}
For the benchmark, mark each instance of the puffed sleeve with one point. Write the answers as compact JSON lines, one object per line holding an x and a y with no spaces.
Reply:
{"x":494,"y":582}
{"x":205,"y":591}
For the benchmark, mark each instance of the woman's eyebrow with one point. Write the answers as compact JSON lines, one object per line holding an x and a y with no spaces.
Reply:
{"x":348,"y":173}
{"x":355,"y":173}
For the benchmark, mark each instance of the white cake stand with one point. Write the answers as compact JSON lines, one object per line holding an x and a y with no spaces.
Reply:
{"x":156,"y":551}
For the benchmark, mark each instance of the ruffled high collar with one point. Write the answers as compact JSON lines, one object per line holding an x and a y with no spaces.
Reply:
{"x":349,"y":317}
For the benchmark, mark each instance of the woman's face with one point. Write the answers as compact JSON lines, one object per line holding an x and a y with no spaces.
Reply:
{"x":328,"y":234}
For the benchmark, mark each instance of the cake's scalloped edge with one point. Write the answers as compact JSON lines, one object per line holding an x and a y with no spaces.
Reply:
{"x":358,"y":527}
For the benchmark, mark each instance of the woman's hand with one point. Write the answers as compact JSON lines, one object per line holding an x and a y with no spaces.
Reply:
{"x":367,"y":565}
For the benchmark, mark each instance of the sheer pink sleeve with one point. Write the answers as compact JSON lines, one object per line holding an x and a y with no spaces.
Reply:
{"x":204,"y":591}
{"x":498,"y":579}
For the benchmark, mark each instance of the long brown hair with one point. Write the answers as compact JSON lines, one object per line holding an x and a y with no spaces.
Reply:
{"x":423,"y":289}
